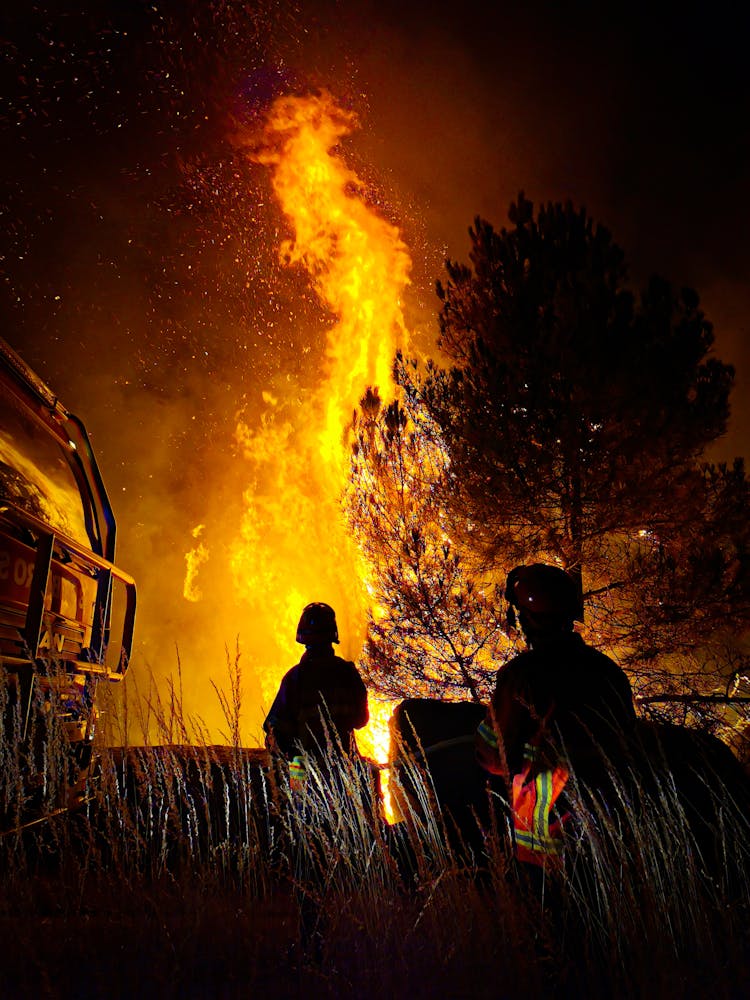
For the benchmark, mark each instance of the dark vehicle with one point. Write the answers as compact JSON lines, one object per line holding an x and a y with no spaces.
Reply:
{"x":66,"y":611}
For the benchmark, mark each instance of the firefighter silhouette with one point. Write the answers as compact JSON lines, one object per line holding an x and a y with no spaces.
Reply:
{"x":321,"y":700}
{"x":559,"y":713}
{"x":320,"y":703}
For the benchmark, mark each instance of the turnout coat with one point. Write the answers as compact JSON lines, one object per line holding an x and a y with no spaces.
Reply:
{"x":322,"y":695}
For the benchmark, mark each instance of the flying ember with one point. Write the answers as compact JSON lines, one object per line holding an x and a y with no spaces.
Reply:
{"x":293,"y":546}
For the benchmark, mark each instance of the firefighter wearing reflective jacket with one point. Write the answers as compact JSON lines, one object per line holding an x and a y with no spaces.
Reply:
{"x":560,"y":709}
{"x":321,"y":701}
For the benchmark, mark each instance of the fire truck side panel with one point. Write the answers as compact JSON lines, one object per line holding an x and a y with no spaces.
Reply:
{"x":57,"y":576}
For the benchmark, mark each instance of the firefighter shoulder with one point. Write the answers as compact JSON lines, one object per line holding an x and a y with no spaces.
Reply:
{"x":558,"y":707}
{"x":321,"y":700}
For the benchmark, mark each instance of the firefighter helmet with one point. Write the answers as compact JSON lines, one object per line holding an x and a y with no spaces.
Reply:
{"x":317,"y":625}
{"x":547,"y":593}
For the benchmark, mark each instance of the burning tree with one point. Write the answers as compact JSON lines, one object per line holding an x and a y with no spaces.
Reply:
{"x":572,"y":418}
{"x":434,"y":624}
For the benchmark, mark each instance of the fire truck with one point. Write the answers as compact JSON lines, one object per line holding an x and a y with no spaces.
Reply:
{"x":66,"y":610}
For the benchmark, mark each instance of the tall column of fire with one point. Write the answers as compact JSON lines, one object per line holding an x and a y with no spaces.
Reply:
{"x":293,"y":546}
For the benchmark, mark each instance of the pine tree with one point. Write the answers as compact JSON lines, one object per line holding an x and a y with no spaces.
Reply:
{"x":571,"y":417}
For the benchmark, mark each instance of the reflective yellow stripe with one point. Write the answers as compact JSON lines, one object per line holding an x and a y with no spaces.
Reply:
{"x":548,"y":845}
{"x":543,"y":804}
{"x":488,"y":734}
{"x":533,"y":802}
{"x":297,"y":769}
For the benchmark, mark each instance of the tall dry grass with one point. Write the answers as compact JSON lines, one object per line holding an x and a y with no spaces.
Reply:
{"x":196,"y":871}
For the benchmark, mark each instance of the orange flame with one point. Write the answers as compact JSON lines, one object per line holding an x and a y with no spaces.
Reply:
{"x":194,"y":560}
{"x":293,"y":546}
{"x":356,"y":260}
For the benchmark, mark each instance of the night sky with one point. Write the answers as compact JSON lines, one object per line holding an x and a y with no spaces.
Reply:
{"x":138,"y":250}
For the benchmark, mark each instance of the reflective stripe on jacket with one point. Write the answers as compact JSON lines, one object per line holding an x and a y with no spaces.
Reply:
{"x":486,"y":732}
{"x":490,"y":755}
{"x":538,"y":836}
{"x":297,"y":774}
